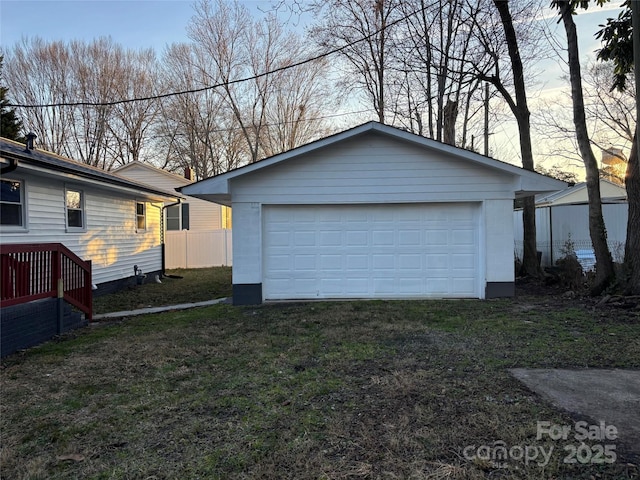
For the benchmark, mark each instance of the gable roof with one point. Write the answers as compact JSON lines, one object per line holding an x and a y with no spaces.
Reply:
{"x":557,"y":197}
{"x":42,"y":161}
{"x":217,"y":188}
{"x":137,"y":164}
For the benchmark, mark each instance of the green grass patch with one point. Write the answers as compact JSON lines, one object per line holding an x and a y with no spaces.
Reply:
{"x":319,"y":390}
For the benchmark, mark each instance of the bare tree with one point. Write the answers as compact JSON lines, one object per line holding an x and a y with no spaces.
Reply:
{"x":605,"y":273}
{"x":363,"y":30}
{"x":40,"y":73}
{"x":621,"y":44}
{"x":434,"y":80}
{"x":193,"y":126}
{"x":138,"y":78}
{"x":612,"y":115}
{"x":79,"y":80}
{"x":270,"y":102}
{"x":497,"y":36}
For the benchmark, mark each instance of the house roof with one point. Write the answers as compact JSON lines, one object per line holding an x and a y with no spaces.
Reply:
{"x":42,"y":161}
{"x":151,"y":168}
{"x":217,"y":188}
{"x":556,"y":197}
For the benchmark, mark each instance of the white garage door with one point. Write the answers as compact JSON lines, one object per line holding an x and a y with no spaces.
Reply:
{"x":370,"y":251}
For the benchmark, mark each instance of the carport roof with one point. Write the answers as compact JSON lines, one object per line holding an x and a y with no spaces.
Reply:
{"x":216,"y":189}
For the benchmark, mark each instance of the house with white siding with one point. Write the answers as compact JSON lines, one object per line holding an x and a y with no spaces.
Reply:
{"x":100,"y":216}
{"x":372,"y":212}
{"x":197,"y":233}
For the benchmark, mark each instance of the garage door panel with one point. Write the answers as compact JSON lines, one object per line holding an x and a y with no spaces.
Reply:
{"x":330,"y":238}
{"x":331,"y":262}
{"x":277,"y":263}
{"x":332,"y":286}
{"x":305,"y":238}
{"x":357,"y":262}
{"x":463,"y":261}
{"x":464,"y":284}
{"x":408,"y":262}
{"x":436,"y":237}
{"x":383,"y":262}
{"x":409,"y":237}
{"x":357,"y":287}
{"x":303,"y":263}
{"x":370,"y":250}
{"x":383,"y":237}
{"x":357,"y":238}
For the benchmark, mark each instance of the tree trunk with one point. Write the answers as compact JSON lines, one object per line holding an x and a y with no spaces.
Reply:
{"x":450,"y":115}
{"x":605,"y":273}
{"x":530,"y":264}
{"x":632,"y":245}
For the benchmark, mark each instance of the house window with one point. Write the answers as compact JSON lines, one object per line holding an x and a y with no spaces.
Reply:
{"x":141,"y":216}
{"x":11,"y":203}
{"x":173,"y":217}
{"x":75,"y":208}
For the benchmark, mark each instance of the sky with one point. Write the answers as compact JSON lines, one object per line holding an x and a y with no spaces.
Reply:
{"x":131,"y":23}
{"x":157,"y":23}
{"x":135,"y":24}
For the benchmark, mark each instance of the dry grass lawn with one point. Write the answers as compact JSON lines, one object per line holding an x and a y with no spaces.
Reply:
{"x":342,"y":390}
{"x":194,"y":285}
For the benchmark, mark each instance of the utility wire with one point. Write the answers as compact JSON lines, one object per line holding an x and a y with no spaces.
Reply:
{"x":222,"y":84}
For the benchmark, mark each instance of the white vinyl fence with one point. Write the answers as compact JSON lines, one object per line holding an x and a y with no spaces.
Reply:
{"x":556,"y":225}
{"x":197,"y":248}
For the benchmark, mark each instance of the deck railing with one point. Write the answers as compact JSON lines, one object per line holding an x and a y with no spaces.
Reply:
{"x":33,"y":271}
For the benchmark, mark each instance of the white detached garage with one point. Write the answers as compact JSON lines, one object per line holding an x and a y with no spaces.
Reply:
{"x":372,"y":212}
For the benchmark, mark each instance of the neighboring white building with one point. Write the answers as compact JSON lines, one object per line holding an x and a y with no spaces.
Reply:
{"x":197,"y":232}
{"x":372,"y":212}
{"x":562,"y":223}
{"x":609,"y":192}
{"x":100,"y":216}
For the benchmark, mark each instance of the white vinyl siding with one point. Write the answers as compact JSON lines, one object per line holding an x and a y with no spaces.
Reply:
{"x":371,"y":251}
{"x":203,"y":215}
{"x":372,"y":169}
{"x":109,"y":241}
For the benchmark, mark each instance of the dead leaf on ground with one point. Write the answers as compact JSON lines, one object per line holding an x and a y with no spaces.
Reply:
{"x":71,"y":457}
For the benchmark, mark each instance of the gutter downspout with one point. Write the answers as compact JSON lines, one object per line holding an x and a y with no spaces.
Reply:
{"x":162,"y":244}
{"x":13,"y":164}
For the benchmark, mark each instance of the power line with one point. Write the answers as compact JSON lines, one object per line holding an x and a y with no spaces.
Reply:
{"x":222,"y":84}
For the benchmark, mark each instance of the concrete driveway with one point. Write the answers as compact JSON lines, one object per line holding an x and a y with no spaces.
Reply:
{"x":609,"y":396}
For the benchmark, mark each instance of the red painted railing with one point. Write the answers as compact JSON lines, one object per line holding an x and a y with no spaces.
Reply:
{"x":35,"y":270}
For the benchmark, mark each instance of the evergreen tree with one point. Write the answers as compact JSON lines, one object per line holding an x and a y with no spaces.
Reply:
{"x":10,"y":124}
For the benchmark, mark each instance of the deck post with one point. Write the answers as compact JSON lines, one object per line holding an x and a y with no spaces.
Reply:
{"x":60,"y":305}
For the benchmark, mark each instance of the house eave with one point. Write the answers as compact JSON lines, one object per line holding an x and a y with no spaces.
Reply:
{"x":69,"y":174}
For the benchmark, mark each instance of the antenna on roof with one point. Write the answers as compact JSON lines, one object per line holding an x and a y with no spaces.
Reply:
{"x":30,"y":138}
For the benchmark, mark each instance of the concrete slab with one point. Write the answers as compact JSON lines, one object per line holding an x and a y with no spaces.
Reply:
{"x":610,"y":396}
{"x":146,"y":311}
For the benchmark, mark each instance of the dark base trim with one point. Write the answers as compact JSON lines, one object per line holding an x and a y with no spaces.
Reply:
{"x":247,"y":293}
{"x":500,"y":289}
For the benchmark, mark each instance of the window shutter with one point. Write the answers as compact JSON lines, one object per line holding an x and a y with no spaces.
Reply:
{"x":185,"y":216}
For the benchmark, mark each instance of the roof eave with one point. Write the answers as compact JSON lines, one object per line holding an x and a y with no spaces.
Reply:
{"x":28,"y":163}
